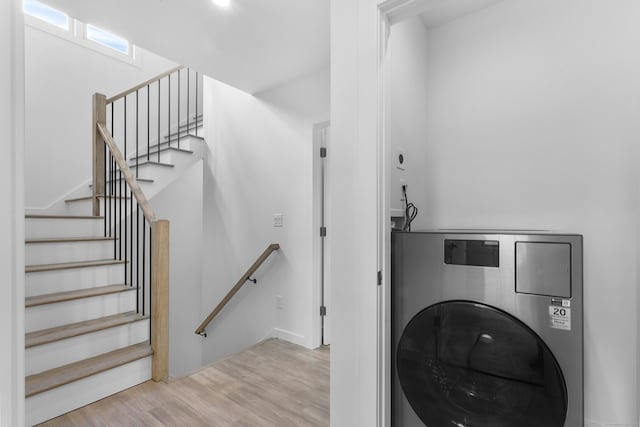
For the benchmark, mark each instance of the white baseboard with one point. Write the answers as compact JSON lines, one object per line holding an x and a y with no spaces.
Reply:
{"x":289,"y":336}
{"x":58,"y":205}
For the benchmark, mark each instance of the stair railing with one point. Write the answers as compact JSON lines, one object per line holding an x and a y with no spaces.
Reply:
{"x":139,"y":124}
{"x":246,"y":277}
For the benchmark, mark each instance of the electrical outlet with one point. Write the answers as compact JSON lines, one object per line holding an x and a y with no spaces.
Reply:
{"x":278,"y":220}
{"x":279,"y":304}
{"x":400,"y":159}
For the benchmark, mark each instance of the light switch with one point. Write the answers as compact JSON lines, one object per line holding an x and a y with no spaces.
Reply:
{"x":278,"y":220}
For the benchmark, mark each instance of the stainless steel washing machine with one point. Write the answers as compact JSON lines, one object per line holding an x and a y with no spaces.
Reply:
{"x":486,"y":329}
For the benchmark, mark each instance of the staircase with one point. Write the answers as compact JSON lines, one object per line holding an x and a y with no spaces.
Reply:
{"x":84,"y":340}
{"x":96,"y":317}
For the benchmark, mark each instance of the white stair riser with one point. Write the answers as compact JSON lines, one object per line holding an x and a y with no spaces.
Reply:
{"x":169,"y":156}
{"x":163,"y":176}
{"x":62,"y":313}
{"x":48,"y":282}
{"x":85,"y":207}
{"x":58,"y":401}
{"x":144,"y":186}
{"x":45,"y":228}
{"x":51,"y":253}
{"x":59,"y":353}
{"x":187,"y":141}
{"x":157,"y":173}
{"x":113,"y":206}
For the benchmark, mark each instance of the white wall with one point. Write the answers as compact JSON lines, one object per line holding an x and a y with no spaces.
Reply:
{"x":259,"y":163}
{"x":11,"y":215}
{"x":181,"y":204}
{"x":533,"y":123}
{"x":61,"y":77}
{"x":408,"y":117}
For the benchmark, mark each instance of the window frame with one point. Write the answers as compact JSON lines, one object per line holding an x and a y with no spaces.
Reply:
{"x":42,"y":19}
{"x":85,"y":35}
{"x":76,"y":34}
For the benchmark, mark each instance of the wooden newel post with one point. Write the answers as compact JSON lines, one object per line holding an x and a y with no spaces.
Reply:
{"x":160,"y":300}
{"x":99,"y":116}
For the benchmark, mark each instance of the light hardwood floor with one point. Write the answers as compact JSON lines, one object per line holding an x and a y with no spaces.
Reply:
{"x":274,"y":383}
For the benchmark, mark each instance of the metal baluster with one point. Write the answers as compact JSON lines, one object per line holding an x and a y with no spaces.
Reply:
{"x":119,"y":209}
{"x":144,"y":261}
{"x":178,"y":127}
{"x":148,"y":121}
{"x":124,"y":193}
{"x":169,"y":114}
{"x":188,"y":98}
{"x":150,"y":275}
{"x":104,"y":213}
{"x":196,"y":103}
{"x":158,"y":143}
{"x":131,"y":239}
{"x":137,"y":135}
{"x":112,"y":221}
{"x":138,"y":258}
{"x":131,"y":193}
{"x":111,"y":170}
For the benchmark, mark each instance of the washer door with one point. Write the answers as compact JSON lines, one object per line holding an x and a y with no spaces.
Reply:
{"x":466,"y":364}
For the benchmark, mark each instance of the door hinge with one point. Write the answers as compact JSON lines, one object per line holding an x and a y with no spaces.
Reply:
{"x":323,"y":152}
{"x":323,"y":231}
{"x":323,"y":311}
{"x":379,"y":278}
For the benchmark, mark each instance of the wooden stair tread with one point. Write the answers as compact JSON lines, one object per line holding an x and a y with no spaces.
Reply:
{"x":48,"y":216}
{"x":46,"y":336}
{"x":174,"y":138}
{"x":70,"y":265}
{"x":47,"y":380}
{"x":154,"y":152}
{"x":70,"y":239}
{"x":76,"y":294}
{"x":165,"y":144}
{"x":147,"y":180}
{"x":150,"y":162}
{"x":101,"y":196}
{"x":185,"y":128}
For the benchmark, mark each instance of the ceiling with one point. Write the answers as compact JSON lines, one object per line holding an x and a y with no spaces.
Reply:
{"x":252,"y":44}
{"x":445,"y":11}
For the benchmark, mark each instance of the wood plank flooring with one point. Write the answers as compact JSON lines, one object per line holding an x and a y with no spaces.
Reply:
{"x":273,"y":384}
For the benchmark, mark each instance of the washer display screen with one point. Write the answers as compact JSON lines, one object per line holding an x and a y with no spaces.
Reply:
{"x":465,"y":364}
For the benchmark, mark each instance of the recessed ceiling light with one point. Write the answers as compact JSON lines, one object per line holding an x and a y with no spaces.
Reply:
{"x":223,"y":3}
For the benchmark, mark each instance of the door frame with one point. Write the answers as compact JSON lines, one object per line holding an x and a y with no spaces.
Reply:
{"x":319,"y":137}
{"x":390,"y":12}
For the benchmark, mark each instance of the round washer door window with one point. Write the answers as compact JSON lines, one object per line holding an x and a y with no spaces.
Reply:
{"x":465,"y":364}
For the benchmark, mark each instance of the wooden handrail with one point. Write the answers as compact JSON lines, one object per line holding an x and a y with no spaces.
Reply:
{"x":159,"y":233}
{"x":144,"y":84}
{"x":245,"y":277}
{"x":127,"y":174}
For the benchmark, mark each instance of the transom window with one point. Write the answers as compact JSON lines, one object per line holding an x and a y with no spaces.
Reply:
{"x":46,"y":14}
{"x":59,"y":23}
{"x":107,"y":39}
